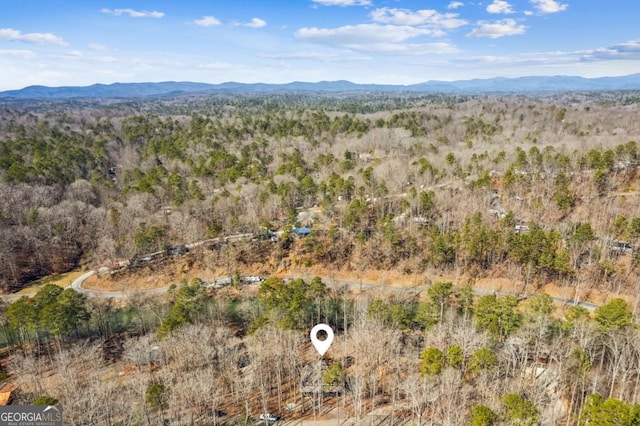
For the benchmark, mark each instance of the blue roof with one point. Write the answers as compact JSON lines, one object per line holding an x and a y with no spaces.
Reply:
{"x":301,"y":231}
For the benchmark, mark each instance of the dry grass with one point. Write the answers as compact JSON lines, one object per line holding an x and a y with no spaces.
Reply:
{"x":61,"y":280}
{"x":168,"y":273}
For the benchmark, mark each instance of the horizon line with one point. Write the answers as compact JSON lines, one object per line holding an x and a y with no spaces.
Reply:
{"x":323,"y":81}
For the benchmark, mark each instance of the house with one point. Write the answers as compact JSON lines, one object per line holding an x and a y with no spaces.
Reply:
{"x":142,"y":362}
{"x":621,"y":247}
{"x":499,"y":213}
{"x":140,"y":368}
{"x":266,"y":235}
{"x":223,"y":282}
{"x":301,"y":232}
{"x":312,"y":384}
{"x":307,"y":217}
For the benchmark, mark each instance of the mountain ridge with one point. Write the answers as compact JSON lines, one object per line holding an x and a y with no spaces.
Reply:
{"x":528,"y":84}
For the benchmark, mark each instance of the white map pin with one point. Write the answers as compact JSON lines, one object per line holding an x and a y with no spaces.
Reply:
{"x":322,"y":346}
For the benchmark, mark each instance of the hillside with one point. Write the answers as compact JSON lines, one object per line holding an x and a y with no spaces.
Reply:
{"x":412,"y":182}
{"x":434,"y":191}
{"x":531,"y":84}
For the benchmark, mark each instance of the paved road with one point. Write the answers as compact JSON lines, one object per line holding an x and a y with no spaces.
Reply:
{"x":351,"y":284}
{"x":336,"y":284}
{"x":421,"y":289}
{"x":77,"y":286}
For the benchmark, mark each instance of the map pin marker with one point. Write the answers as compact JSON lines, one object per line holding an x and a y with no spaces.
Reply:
{"x":322,"y":346}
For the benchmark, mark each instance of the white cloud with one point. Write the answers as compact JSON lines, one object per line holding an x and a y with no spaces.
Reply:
{"x":104,"y":59}
{"x":23,"y":54}
{"x":315,"y":56}
{"x":455,"y":5}
{"x":412,"y":49}
{"x":376,"y":38}
{"x":361,"y":34}
{"x":548,"y":6}
{"x":519,"y":60}
{"x":628,"y":50}
{"x":133,"y":13}
{"x":497,"y":29}
{"x":623,"y":52}
{"x":37,"y":38}
{"x":207,"y":21}
{"x":96,"y":46}
{"x":343,"y":2}
{"x":419,"y":17}
{"x":255,"y":23}
{"x":299,"y":55}
{"x":78,"y":56}
{"x":216,"y":66}
{"x":500,"y":6}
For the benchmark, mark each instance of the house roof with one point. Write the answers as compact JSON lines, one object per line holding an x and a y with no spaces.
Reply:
{"x":301,"y":231}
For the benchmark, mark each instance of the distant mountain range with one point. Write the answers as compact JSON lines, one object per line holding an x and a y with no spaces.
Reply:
{"x":492,"y":85}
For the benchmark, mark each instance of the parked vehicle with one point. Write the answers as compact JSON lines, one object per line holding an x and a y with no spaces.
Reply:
{"x":177,"y":250}
{"x":252,"y":279}
{"x":269,"y":417}
{"x":223,"y":282}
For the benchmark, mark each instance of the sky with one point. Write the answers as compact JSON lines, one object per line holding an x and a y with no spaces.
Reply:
{"x":82,"y":42}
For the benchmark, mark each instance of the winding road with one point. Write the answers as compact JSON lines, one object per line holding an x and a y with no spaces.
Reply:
{"x":77,"y":286}
{"x":330,"y":282}
{"x":333,"y":283}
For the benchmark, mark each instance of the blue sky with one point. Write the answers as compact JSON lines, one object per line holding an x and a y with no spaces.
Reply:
{"x":81,"y":42}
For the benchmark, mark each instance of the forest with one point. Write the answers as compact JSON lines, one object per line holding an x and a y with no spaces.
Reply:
{"x":447,"y":192}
